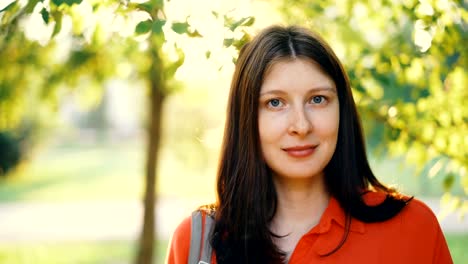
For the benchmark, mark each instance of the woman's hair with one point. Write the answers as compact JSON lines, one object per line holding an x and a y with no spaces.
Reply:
{"x":246,"y":196}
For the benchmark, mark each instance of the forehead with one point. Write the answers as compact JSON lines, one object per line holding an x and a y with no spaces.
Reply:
{"x":298,"y":72}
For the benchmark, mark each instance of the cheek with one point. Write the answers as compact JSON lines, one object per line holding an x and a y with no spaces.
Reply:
{"x":328,"y":124}
{"x":269,"y":127}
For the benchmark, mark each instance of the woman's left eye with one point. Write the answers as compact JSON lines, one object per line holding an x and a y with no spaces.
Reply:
{"x":318,"y":99}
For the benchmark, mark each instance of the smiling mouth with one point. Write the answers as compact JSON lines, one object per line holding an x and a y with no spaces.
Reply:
{"x":300,"y":151}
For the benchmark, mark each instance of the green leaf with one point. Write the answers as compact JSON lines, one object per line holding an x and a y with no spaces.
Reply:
{"x":215,"y":14}
{"x":45,"y":15}
{"x":249,"y":22}
{"x":144,"y":27}
{"x":172,"y":67}
{"x":159,"y":4}
{"x":158,"y":25}
{"x":194,"y":34}
{"x":151,"y":6}
{"x":146,"y":6}
{"x":183,"y":28}
{"x":80,"y":57}
{"x":228,"y":42}
{"x":239,"y":43}
{"x":208,"y":54}
{"x":246,"y":21}
{"x":448,"y":181}
{"x":180,"y":28}
{"x":66,"y":2}
{"x":8,"y":7}
{"x":58,"y":22}
{"x":30,"y":6}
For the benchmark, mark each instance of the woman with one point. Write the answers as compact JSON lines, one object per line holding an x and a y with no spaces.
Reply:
{"x":294,"y":184}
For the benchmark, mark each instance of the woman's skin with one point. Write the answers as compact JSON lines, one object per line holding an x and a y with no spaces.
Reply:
{"x":298,"y":127}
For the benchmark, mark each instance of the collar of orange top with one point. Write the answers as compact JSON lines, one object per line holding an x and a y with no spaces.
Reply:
{"x":332,"y":224}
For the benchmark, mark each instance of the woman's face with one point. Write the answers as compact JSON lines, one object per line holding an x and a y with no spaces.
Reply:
{"x":298,"y":119}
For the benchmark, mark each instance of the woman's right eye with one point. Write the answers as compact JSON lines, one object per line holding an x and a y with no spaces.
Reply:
{"x":275,"y":103}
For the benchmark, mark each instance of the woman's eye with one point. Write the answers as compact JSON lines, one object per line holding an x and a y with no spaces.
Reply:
{"x":275,"y":103}
{"x":318,"y":99}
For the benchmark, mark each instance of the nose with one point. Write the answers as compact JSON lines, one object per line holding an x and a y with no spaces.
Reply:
{"x":300,"y":123}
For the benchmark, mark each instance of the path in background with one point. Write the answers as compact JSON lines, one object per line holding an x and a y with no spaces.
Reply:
{"x":114,"y":220}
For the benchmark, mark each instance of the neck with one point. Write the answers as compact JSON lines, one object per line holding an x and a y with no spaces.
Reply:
{"x":301,"y":203}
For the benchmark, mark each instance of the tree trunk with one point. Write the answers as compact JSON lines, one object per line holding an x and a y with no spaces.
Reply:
{"x":148,"y":232}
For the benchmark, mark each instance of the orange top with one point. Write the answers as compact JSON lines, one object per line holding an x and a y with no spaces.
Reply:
{"x":412,"y":236}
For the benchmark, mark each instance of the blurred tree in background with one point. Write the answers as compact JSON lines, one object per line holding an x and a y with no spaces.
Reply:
{"x":85,"y":44}
{"x":407,"y":63}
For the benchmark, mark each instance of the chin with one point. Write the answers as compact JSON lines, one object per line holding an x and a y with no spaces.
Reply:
{"x":301,"y":175}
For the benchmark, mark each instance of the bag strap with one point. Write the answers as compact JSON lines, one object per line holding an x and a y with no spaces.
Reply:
{"x":200,"y":242}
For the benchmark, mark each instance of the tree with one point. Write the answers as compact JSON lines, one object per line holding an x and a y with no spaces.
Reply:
{"x":407,"y":64}
{"x":93,"y":57}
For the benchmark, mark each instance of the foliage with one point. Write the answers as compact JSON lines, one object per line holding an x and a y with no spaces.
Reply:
{"x":83,"y":44}
{"x":96,"y":49}
{"x":407,"y":64}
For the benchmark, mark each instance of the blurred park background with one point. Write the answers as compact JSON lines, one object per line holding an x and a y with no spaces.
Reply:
{"x":93,"y":93}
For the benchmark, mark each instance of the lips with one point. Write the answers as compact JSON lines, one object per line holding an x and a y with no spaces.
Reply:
{"x":300,"y":151}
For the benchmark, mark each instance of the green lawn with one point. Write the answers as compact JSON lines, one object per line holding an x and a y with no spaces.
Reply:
{"x":458,"y":244}
{"x":106,"y":171}
{"x":75,"y":252}
{"x":123,"y":252}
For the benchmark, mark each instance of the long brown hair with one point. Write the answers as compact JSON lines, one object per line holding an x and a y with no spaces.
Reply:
{"x":246,"y":197}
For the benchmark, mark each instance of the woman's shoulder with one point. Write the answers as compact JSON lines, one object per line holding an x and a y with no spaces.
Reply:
{"x":418,"y":217}
{"x":415,"y":216}
{"x":180,"y":242}
{"x":414,"y":210}
{"x":420,"y":230}
{"x":183,"y":230}
{"x":415,"y":230}
{"x":179,"y":246}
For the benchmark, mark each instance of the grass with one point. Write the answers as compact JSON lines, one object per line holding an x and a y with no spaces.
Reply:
{"x":110,"y":252}
{"x":76,"y":173}
{"x":99,"y":171}
{"x":120,"y":252}
{"x":458,"y":244}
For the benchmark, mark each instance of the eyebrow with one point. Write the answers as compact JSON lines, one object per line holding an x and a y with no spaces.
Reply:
{"x":318,"y":89}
